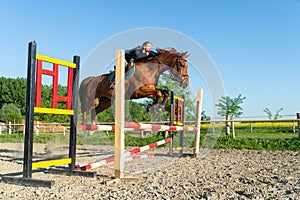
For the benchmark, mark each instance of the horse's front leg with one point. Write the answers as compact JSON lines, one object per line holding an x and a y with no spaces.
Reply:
{"x":93,"y":116}
{"x":157,"y":106}
{"x":165,"y":95}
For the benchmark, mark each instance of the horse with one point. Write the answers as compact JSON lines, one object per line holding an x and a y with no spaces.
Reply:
{"x":97,"y":91}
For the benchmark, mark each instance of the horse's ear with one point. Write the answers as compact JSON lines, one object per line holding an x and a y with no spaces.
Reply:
{"x":185,"y":55}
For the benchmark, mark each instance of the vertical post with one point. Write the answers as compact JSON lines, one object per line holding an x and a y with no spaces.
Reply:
{"x":30,"y":91}
{"x":0,"y":129}
{"x":37,"y":127}
{"x":251,"y":127}
{"x":142,"y":134}
{"x":73,"y":118}
{"x":199,"y":110}
{"x":119,"y":113}
{"x":183,"y":123}
{"x":298,"y":117}
{"x":55,"y":85}
{"x":232,"y":129}
{"x":172,"y":119}
{"x":294,"y":128}
{"x":38,"y":83}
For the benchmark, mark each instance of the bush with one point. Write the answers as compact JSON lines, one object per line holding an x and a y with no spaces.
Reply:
{"x":10,"y":112}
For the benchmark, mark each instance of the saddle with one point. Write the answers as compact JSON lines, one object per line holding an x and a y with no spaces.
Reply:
{"x":128,"y":74}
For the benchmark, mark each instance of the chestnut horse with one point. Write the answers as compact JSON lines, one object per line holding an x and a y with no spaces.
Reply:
{"x":97,"y":91}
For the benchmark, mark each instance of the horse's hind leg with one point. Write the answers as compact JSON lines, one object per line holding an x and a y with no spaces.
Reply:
{"x":83,"y":117}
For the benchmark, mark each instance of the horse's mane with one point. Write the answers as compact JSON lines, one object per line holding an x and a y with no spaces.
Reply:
{"x":168,"y":52}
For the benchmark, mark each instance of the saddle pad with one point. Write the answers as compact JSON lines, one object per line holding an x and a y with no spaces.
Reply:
{"x":127,"y":76}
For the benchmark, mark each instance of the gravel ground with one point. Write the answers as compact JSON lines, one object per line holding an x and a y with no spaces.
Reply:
{"x":221,"y":174}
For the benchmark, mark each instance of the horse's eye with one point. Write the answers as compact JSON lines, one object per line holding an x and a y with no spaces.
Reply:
{"x":182,"y":63}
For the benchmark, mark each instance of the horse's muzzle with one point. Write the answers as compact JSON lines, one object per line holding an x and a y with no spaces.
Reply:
{"x":185,"y":82}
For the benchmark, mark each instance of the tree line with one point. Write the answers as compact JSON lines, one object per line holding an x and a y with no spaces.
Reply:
{"x":13,"y":101}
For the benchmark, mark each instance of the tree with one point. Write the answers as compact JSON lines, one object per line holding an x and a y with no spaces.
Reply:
{"x":204,"y":116}
{"x":269,"y":113}
{"x":134,"y":111}
{"x":230,"y":108}
{"x":13,"y":90}
{"x":10,"y":112}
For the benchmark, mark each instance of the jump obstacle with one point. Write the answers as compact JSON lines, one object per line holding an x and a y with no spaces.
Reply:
{"x":176,"y":117}
{"x":33,"y":104}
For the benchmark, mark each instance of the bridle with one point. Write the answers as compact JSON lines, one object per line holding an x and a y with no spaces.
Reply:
{"x":177,"y":64}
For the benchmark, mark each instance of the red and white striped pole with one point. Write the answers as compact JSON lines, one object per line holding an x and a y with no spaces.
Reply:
{"x":134,"y":126}
{"x":127,"y":154}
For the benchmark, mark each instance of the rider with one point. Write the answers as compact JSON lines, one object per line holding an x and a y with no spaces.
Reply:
{"x":139,"y":52}
{"x":134,"y":54}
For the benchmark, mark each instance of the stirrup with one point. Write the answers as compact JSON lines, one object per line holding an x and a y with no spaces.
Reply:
{"x":112,"y":86}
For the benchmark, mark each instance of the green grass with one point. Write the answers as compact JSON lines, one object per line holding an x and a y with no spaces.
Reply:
{"x":41,"y":138}
{"x":244,"y":140}
{"x":258,"y":144}
{"x":13,"y":138}
{"x":257,"y":140}
{"x":267,"y":135}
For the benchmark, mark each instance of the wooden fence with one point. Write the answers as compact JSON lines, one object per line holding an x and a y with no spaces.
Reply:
{"x":39,"y":127}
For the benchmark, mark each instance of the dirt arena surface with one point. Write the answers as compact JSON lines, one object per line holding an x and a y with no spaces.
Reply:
{"x":221,"y":174}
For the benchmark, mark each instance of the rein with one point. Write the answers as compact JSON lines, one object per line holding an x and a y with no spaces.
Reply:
{"x":178,"y":65}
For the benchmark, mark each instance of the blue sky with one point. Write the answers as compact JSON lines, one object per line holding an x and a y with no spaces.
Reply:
{"x":254,"y":44}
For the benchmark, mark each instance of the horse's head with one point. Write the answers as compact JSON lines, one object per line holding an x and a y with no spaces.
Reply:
{"x":178,"y":62}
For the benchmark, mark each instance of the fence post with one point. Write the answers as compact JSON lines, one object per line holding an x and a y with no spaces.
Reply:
{"x":298,"y":117}
{"x":294,"y":128}
{"x":197,"y":135}
{"x":251,"y":127}
{"x":142,"y":134}
{"x":232,"y":130}
{"x":9,"y":128}
{"x":37,"y":128}
{"x":0,"y":129}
